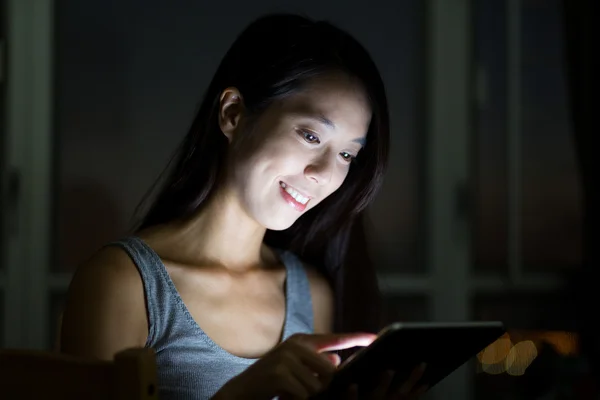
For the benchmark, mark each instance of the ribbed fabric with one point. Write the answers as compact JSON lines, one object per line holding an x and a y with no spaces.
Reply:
{"x":190,"y":364}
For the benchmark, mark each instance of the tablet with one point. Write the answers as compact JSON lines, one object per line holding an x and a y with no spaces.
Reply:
{"x":401,"y":347}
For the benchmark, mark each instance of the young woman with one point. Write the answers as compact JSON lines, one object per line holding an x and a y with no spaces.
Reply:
{"x":288,"y":147}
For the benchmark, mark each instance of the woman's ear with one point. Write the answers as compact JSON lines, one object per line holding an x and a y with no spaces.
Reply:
{"x":231,"y":107}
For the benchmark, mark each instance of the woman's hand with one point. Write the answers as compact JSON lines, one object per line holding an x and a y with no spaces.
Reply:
{"x":383,"y":391}
{"x":297,"y":368}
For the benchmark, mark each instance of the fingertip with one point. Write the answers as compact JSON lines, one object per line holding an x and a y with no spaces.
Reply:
{"x":364,"y":338}
{"x":362,"y":335}
{"x":341,"y":341}
{"x":372,"y":336}
{"x":334,"y":358}
{"x":337,"y":360}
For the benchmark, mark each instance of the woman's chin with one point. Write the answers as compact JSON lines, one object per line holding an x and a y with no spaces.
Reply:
{"x":279,"y":222}
{"x":279,"y":226}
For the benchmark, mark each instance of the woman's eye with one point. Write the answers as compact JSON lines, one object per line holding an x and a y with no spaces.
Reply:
{"x":310,"y":138}
{"x":347,"y":156}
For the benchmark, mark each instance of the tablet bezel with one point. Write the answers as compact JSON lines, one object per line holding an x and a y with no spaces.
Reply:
{"x":397,"y":327}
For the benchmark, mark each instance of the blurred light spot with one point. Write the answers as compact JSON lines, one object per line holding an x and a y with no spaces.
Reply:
{"x":494,"y":369}
{"x":520,"y":357}
{"x":495,"y":352}
{"x":492,"y":357}
{"x":564,"y":343}
{"x":501,"y":356}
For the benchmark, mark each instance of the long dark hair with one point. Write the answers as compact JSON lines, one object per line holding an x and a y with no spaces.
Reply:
{"x":270,"y":60}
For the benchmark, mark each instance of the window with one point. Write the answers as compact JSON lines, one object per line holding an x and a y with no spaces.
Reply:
{"x":551,"y":195}
{"x":527,"y":183}
{"x":527,"y":198}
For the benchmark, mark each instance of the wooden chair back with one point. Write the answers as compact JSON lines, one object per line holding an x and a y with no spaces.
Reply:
{"x":32,"y":374}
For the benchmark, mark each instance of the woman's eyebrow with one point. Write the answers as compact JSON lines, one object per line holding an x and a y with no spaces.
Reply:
{"x":318,"y":117}
{"x":324,"y":120}
{"x":361,"y":140}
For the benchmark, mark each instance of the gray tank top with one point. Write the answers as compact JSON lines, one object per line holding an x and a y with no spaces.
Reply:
{"x":191,"y":365}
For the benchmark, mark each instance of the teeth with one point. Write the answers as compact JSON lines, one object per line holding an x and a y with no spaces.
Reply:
{"x":297,"y":196}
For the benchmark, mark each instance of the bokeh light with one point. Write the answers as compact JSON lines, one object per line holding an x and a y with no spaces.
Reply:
{"x":492,"y":357}
{"x":514,"y":353}
{"x":520,"y":357}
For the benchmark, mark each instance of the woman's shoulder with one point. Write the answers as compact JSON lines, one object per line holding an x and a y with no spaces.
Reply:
{"x":105,"y":308}
{"x":110,"y":279}
{"x":109,"y":265}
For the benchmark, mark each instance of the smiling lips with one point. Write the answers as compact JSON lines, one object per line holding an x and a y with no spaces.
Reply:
{"x":293,"y":197}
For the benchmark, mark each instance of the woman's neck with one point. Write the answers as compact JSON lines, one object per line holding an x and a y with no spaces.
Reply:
{"x":221,"y":233}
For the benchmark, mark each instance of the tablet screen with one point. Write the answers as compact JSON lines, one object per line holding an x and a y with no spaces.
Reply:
{"x":403,"y":346}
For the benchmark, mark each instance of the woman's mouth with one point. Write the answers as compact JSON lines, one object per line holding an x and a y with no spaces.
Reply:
{"x":293,"y":197}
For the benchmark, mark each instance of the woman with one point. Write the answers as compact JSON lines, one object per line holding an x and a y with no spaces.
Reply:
{"x":288,"y":147}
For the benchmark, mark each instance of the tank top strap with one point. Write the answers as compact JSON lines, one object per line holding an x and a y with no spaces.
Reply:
{"x":300,"y":305}
{"x":156,"y":283}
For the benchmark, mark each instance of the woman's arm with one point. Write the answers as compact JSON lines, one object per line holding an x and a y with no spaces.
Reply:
{"x":105,"y":310}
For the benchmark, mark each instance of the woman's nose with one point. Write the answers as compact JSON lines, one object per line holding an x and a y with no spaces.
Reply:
{"x":320,"y":170}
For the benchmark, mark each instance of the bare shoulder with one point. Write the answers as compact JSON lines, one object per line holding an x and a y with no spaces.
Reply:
{"x":105,"y":310}
{"x":322,"y":298}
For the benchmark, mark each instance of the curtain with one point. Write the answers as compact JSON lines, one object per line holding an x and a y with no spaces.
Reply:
{"x":581,"y":45}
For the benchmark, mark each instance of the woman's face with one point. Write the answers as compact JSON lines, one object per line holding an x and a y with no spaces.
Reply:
{"x":299,"y":150}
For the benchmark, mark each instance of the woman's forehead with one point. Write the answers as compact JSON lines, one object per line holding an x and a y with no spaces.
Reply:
{"x":332,"y":104}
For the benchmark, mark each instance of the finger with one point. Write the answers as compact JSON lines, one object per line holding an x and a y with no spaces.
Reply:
{"x":311,"y":383}
{"x":383,"y":387}
{"x":333,"y":358}
{"x":414,"y":377}
{"x":317,"y":363}
{"x":331,"y":342}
